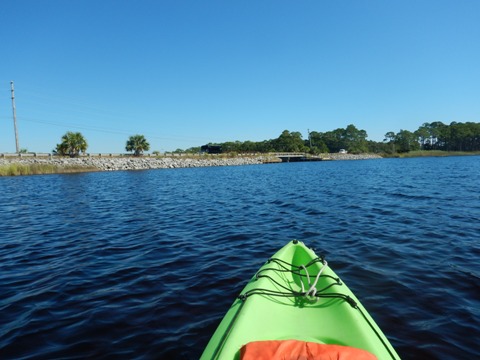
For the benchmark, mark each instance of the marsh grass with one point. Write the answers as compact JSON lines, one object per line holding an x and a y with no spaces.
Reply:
{"x":40,"y":169}
{"x":435,"y":153}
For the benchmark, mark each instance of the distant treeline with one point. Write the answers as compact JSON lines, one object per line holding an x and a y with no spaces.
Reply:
{"x":429,"y":136}
{"x":438,"y":136}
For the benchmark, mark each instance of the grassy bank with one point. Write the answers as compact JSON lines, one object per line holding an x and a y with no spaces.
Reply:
{"x":40,"y":169}
{"x":431,"y":153}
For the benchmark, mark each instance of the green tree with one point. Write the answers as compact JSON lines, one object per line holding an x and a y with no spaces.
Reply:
{"x":248,"y":147}
{"x":351,"y":139}
{"x":265,"y":146}
{"x":406,"y":141}
{"x":193,"y":150}
{"x":464,"y":136}
{"x":377,"y":147}
{"x":289,"y":142}
{"x":334,"y":140}
{"x":318,"y":144}
{"x":138,"y":144}
{"x":355,"y":140}
{"x":390,"y":137}
{"x":438,"y":135}
{"x":231,"y":146}
{"x":73,"y":143}
{"x":473,"y":139}
{"x":423,"y":134}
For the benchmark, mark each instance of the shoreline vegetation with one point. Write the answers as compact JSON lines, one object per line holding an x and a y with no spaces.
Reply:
{"x":16,"y":169}
{"x":47,"y":164}
{"x":431,"y":139}
{"x":431,"y":153}
{"x":32,"y":164}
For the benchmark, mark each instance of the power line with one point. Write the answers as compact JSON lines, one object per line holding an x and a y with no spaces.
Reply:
{"x":81,"y":107}
{"x":109,"y":130}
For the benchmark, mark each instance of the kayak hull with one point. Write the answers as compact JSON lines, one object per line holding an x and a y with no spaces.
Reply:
{"x":273,"y":306}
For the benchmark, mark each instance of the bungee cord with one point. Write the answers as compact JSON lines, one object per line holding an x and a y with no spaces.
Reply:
{"x":312,"y":293}
{"x":308,"y":291}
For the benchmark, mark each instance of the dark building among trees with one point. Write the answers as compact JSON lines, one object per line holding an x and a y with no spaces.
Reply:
{"x":211,"y":149}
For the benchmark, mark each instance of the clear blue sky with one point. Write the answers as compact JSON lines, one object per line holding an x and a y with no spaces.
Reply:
{"x":187,"y":72}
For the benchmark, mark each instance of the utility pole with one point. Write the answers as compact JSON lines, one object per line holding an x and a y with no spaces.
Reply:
{"x":15,"y":118}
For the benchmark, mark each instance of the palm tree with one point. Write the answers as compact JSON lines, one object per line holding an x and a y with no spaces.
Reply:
{"x":72,"y":144}
{"x":138,"y":144}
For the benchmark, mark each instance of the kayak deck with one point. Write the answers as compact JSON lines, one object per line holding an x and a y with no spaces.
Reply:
{"x":296,"y":295}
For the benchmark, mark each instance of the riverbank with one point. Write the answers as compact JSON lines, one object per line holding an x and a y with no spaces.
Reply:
{"x":33,"y":165}
{"x":19,"y":166}
{"x":432,"y":153}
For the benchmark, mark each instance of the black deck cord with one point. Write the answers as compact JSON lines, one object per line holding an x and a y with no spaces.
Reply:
{"x":338,"y":282}
{"x":229,"y":328}
{"x":331,"y":295}
{"x":376,"y":333}
{"x":285,"y":265}
{"x":243,"y":298}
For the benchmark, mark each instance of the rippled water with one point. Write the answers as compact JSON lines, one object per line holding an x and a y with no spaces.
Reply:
{"x":144,"y":264}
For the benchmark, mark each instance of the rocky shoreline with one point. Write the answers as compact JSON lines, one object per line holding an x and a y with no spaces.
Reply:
{"x":147,"y":162}
{"x":130,"y":163}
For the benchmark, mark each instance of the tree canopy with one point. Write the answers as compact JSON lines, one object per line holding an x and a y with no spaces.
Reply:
{"x":138,"y":144}
{"x":429,"y":136}
{"x":73,"y":143}
{"x":437,"y":136}
{"x":351,"y":139}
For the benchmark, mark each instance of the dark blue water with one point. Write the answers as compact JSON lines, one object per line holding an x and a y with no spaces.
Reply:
{"x":144,"y":264}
